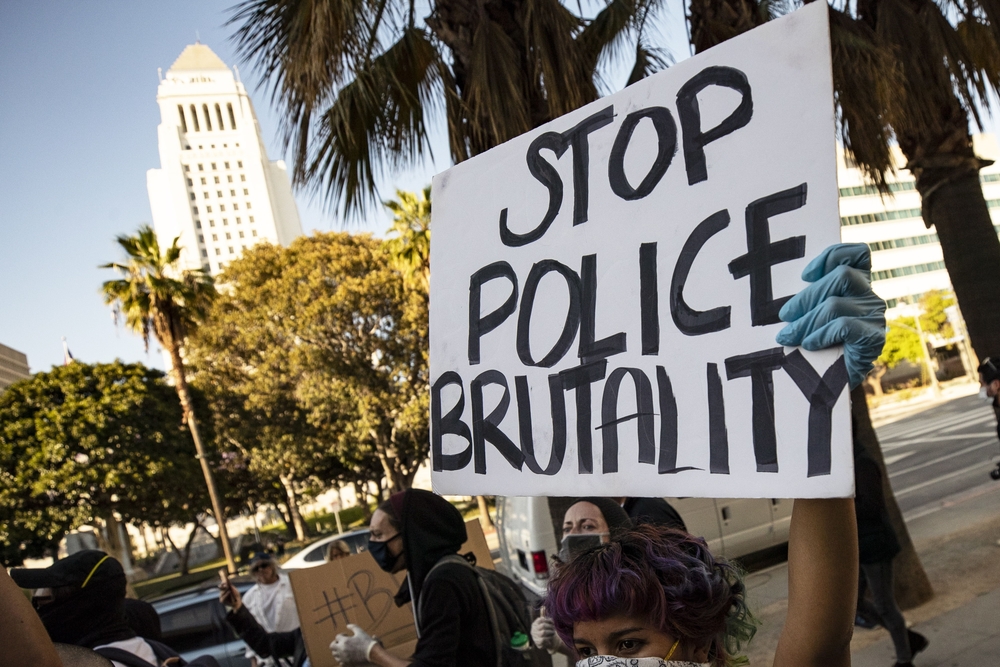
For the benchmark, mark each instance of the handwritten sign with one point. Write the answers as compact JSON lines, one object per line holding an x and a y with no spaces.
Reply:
{"x":606,"y":288}
{"x":354,"y":590}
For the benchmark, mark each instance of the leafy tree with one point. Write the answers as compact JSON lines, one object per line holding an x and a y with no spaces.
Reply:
{"x":155,"y":296}
{"x":324,"y":350}
{"x":901,"y":343}
{"x":934,"y":319}
{"x":85,"y":441}
{"x":359,"y":82}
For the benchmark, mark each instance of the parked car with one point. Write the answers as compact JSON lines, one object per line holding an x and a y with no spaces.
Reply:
{"x":732,"y":527}
{"x":315,"y":553}
{"x":193,"y":623}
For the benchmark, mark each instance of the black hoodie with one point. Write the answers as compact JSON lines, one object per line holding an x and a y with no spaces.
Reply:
{"x":452,"y":617}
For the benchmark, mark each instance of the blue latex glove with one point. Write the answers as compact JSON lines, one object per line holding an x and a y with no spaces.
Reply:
{"x":839,"y":307}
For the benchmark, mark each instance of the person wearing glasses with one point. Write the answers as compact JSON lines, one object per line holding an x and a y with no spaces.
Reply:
{"x":271,"y":602}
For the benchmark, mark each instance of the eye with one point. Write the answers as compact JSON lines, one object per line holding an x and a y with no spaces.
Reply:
{"x":585,"y":651}
{"x":630,"y":646}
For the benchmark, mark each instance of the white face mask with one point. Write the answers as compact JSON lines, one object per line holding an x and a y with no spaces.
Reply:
{"x":983,"y":393}
{"x":612,"y":661}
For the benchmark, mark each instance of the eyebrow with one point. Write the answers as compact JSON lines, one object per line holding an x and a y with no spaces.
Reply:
{"x":614,"y":636}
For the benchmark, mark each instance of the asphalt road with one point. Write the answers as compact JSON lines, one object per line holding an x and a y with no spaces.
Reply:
{"x":945,"y":450}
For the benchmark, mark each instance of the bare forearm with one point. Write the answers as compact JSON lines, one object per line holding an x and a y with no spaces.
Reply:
{"x":822,"y":585}
{"x":379,"y":656}
{"x":22,"y":634}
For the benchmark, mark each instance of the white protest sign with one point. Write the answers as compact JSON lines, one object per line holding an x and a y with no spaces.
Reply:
{"x":605,"y":289}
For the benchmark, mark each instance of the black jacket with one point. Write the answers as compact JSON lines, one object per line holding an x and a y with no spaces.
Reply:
{"x":877,"y":540}
{"x":268,"y":644}
{"x":452,"y":616}
{"x":653,"y":511}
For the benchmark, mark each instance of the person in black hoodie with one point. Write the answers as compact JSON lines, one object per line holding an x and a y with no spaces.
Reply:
{"x":412,"y":531}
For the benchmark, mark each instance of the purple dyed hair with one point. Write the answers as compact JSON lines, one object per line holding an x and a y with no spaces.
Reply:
{"x":662,"y":575}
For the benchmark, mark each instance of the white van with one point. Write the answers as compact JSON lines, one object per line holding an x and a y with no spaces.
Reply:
{"x":732,"y":527}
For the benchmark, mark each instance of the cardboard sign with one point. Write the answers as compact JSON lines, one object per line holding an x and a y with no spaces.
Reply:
{"x":606,"y":287}
{"x":355,"y":590}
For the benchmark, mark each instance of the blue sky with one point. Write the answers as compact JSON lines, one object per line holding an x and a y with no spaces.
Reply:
{"x":78,"y":119}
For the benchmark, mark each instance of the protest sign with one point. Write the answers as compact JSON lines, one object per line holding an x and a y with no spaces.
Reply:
{"x":605,"y":289}
{"x":354,"y":590}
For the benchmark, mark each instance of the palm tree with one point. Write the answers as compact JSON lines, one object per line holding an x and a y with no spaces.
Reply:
{"x":155,"y":297}
{"x":409,"y":240}
{"x":359,"y":82}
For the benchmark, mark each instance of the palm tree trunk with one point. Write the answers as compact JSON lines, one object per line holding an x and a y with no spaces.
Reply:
{"x":912,"y":587}
{"x":213,"y":493}
{"x":954,"y":204}
{"x":484,"y":513}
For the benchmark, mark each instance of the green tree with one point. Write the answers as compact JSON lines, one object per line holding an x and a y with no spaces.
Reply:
{"x":359,"y":82}
{"x":934,"y":319}
{"x":155,"y":296}
{"x":324,"y":348}
{"x":409,"y":239}
{"x":91,"y":441}
{"x":901,"y":343}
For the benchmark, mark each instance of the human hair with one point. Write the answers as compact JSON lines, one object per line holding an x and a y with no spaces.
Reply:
{"x":990,"y":369}
{"x":662,"y":575}
{"x":390,"y":510}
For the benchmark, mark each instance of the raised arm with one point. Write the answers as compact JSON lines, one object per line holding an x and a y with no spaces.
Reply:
{"x":822,"y":585}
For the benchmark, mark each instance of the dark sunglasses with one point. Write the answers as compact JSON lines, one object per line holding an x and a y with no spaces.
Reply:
{"x":257,"y":568}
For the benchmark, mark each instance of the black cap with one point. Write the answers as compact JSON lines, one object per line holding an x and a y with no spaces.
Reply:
{"x":80,"y":569}
{"x":990,"y":369}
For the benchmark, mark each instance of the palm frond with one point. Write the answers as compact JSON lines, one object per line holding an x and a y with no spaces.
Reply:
{"x":555,"y":59}
{"x":648,"y":60}
{"x":496,"y":88}
{"x":867,"y":85}
{"x":379,"y":119}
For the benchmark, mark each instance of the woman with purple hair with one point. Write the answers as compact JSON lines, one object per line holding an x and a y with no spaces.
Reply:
{"x":656,"y":597}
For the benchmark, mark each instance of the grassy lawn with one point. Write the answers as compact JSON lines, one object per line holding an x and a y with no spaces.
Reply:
{"x":174,"y":581}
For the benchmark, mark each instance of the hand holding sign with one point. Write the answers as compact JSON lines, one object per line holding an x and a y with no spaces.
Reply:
{"x":839,"y":307}
{"x":353,"y":649}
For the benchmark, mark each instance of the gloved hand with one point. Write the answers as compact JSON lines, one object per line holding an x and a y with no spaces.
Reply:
{"x":353,"y":649}
{"x":543,"y":634}
{"x":839,"y":307}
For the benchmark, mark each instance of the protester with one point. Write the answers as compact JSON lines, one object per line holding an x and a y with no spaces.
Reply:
{"x":266,"y":644}
{"x":336,"y":550}
{"x":602,"y":517}
{"x":655,"y":595}
{"x":22,"y":634}
{"x":877,"y":547}
{"x":412,"y":531}
{"x":81,"y":601}
{"x":989,"y":390}
{"x":655,"y":511}
{"x":270,"y":601}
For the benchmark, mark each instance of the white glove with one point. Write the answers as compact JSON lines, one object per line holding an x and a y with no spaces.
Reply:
{"x":543,"y":634}
{"x":353,"y":649}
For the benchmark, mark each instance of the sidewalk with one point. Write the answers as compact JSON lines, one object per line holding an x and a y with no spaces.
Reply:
{"x":890,"y":411}
{"x":957,"y":539}
{"x":968,"y":636}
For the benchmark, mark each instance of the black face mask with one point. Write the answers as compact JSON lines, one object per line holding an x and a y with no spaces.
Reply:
{"x":380,"y":552}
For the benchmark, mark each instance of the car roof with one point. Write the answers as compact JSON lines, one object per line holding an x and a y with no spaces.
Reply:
{"x":205,"y":591}
{"x":334,"y":538}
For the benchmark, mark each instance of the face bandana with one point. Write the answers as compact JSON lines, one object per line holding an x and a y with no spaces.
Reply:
{"x":613,"y":661}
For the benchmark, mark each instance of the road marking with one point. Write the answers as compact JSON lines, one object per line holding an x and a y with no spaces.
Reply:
{"x":950,"y":501}
{"x":938,"y":438}
{"x":889,"y":460}
{"x":940,"y":459}
{"x":956,"y":427}
{"x":982,"y":467}
{"x":927,"y":424}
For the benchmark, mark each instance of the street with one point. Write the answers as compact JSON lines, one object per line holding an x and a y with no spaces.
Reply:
{"x":944,"y":450}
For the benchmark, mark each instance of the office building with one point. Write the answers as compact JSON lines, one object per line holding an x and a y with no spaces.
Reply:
{"x":215,"y":188}
{"x":906,"y":256}
{"x":13,"y":367}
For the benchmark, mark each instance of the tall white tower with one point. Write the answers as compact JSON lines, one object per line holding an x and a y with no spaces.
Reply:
{"x":215,"y":187}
